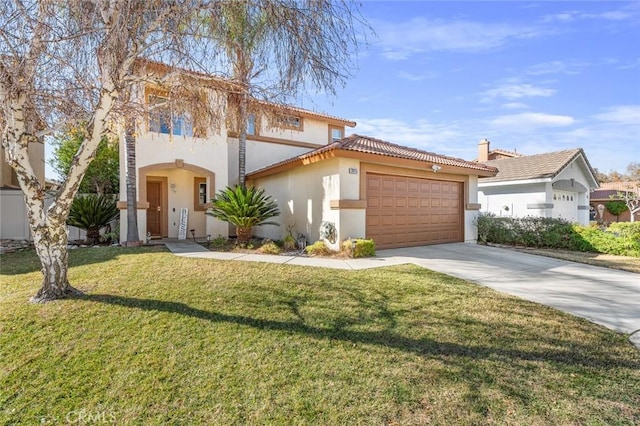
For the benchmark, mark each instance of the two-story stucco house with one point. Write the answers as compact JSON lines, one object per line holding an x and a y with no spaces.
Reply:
{"x":182,"y":165}
{"x":364,"y":187}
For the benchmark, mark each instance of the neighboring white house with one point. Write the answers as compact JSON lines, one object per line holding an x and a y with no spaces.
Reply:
{"x":555,"y":184}
{"x":181,"y":165}
{"x":366,"y":187}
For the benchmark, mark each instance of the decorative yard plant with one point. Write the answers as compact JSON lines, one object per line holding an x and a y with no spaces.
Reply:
{"x":92,"y":213}
{"x":244,"y":207}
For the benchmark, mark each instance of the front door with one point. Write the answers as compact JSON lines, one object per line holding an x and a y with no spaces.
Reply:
{"x":154,"y":213}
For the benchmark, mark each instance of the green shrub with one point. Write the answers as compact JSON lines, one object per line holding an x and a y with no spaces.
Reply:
{"x":619,"y":239}
{"x":595,"y":239}
{"x":319,"y":248}
{"x":626,"y":229}
{"x":244,"y":207}
{"x":93,"y":212}
{"x":269,"y":248}
{"x":363,"y":248}
{"x":289,"y":243}
{"x":616,"y":207}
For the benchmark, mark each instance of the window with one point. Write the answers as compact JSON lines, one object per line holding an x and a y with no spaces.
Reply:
{"x":163,"y":120}
{"x":251,"y":125}
{"x":293,"y":122}
{"x":200,"y":198}
{"x":335,"y":133}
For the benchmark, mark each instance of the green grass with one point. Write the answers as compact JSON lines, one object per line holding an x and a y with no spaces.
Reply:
{"x":159,"y":339}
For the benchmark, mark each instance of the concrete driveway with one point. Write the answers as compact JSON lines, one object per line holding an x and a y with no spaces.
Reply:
{"x":605,"y":296}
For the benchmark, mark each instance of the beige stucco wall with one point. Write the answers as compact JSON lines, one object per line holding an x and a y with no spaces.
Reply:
{"x":36,"y":157}
{"x":156,"y":148}
{"x":313,"y":131}
{"x":470,"y":216}
{"x":259,"y":154}
{"x":303,"y":196}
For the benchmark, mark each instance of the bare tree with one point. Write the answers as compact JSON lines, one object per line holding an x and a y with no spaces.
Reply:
{"x":274,"y":49}
{"x":631,"y":197}
{"x":78,"y":62}
{"x":66,"y":62}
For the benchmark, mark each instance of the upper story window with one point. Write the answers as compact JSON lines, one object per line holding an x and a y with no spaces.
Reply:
{"x":293,"y":122}
{"x":251,"y":125}
{"x":335,"y":133}
{"x":163,"y":120}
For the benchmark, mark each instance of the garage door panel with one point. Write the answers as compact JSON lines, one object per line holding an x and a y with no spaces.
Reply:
{"x":404,"y":211}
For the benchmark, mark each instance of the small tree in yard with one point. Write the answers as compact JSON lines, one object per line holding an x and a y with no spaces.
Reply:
{"x":616,"y":208}
{"x":631,"y":198}
{"x":93,"y":212}
{"x":64,"y":63}
{"x":102,"y":175}
{"x":244,"y":207}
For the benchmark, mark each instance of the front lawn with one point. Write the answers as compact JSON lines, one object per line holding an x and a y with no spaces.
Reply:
{"x":159,"y":339}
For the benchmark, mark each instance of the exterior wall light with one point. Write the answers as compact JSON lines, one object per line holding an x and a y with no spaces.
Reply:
{"x":435,"y":168}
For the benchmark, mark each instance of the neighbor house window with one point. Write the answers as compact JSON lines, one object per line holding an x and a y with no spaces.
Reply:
{"x":335,"y":133}
{"x":163,"y":120}
{"x":200,"y":194}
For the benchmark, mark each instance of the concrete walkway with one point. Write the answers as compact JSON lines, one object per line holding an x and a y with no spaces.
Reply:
{"x":605,"y":296}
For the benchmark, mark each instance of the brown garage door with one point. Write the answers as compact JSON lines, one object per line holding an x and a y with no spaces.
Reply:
{"x":404,"y":211}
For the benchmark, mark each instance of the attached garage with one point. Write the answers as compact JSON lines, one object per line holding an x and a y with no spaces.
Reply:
{"x":368,"y":188}
{"x":405,"y":211}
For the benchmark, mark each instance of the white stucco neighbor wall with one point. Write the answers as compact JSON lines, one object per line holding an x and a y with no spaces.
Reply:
{"x":519,"y":200}
{"x":303,"y":195}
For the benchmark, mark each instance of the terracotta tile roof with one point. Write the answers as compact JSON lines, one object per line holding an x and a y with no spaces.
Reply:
{"x":608,"y":190}
{"x":307,"y":112}
{"x":369,"y":145}
{"x":619,"y":186}
{"x":505,"y":152}
{"x":538,"y":166}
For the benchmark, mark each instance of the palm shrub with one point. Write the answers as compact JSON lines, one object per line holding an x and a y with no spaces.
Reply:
{"x":93,"y":212}
{"x":244,"y":207}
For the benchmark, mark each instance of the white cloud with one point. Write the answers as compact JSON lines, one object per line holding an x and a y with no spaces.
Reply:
{"x":515,"y":105}
{"x":626,"y":12}
{"x":556,"y":67}
{"x":622,"y":114}
{"x":400,"y":41}
{"x":513,"y":91}
{"x":415,"y":77}
{"x":530,"y":120}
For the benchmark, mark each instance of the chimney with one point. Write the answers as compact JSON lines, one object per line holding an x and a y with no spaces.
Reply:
{"x":483,"y":150}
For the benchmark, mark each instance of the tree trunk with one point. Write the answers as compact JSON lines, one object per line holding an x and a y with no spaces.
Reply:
{"x":133,"y":236}
{"x":93,"y":235}
{"x":51,"y":248}
{"x":242,"y":138}
{"x":244,"y":234}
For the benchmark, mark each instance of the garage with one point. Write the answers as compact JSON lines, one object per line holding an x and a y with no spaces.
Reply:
{"x":406,"y":211}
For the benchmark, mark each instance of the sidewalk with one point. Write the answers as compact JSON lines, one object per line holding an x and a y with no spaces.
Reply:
{"x":187,"y":248}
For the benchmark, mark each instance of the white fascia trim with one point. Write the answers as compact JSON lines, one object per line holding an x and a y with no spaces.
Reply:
{"x":512,"y":182}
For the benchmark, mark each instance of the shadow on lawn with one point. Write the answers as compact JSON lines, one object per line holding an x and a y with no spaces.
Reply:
{"x":25,"y":262}
{"x":423,"y":347}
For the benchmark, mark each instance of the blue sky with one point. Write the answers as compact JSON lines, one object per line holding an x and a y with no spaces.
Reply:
{"x":531,"y":76}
